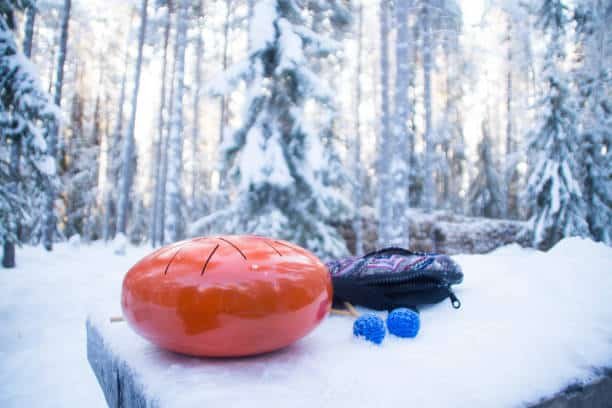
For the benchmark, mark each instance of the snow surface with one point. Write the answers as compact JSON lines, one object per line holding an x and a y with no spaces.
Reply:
{"x":43,"y":308}
{"x":531,"y":324}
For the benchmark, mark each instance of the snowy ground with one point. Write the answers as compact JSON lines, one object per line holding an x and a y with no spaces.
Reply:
{"x":43,"y":306}
{"x":531,"y":324}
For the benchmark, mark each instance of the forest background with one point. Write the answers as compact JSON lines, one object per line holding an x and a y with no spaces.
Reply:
{"x":339,"y":125}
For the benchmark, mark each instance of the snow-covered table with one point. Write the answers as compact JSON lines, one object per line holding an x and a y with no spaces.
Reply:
{"x":535,"y":329}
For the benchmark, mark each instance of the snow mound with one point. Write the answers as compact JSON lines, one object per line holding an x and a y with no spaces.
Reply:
{"x":511,"y":250}
{"x":531,"y":324}
{"x":120,"y":244}
{"x":75,"y":241}
{"x":578,"y":246}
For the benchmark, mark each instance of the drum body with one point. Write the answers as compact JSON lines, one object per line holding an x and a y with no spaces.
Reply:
{"x":226,"y":296}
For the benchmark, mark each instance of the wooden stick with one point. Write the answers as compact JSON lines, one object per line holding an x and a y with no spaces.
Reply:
{"x":341,"y":312}
{"x":351,"y":309}
{"x":116,"y":319}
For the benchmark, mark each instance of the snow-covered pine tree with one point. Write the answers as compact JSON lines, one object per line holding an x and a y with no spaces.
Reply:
{"x":594,"y":83}
{"x":485,"y":195}
{"x":437,"y":19}
{"x":70,"y":169}
{"x":456,"y":146}
{"x":326,"y":119}
{"x":128,"y":165}
{"x":15,"y":152}
{"x":26,"y":111}
{"x":139,"y":219}
{"x":80,"y":176}
{"x":558,"y":208}
{"x":91,"y":154}
{"x":50,"y":218}
{"x":520,"y":92}
{"x":273,"y":158}
{"x":595,"y":160}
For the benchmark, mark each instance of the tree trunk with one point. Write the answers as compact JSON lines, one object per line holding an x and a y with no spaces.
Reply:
{"x":51,"y":66}
{"x":448,"y":125}
{"x":128,"y":162}
{"x":174,"y":222}
{"x":195,"y":134}
{"x":8,"y":255}
{"x":510,"y":206}
{"x":89,"y":229}
{"x":509,"y":142}
{"x":154,"y":224}
{"x":223,"y":116}
{"x":164,"y":170}
{"x":429,"y":187}
{"x":452,"y":170}
{"x":161,"y":219}
{"x":400,"y":199}
{"x":358,"y":171}
{"x":29,"y":31}
{"x":50,"y":220}
{"x":220,"y":199}
{"x":385,"y":134}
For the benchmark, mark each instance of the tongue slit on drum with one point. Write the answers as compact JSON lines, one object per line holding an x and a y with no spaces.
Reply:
{"x":208,"y":259}
{"x":171,"y":259}
{"x":234,"y":246}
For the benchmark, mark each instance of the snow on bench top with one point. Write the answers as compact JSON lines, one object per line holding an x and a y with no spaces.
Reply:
{"x":531,"y":324}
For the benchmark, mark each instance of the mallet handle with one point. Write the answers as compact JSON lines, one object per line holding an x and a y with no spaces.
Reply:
{"x":351,"y":309}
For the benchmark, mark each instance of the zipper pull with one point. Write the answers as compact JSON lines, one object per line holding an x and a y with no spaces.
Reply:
{"x":454,"y":300}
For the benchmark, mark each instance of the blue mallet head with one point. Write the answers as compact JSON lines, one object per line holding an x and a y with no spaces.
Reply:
{"x":371,"y":327}
{"x":403,"y":322}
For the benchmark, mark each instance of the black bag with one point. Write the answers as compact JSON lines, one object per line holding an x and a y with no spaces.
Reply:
{"x":395,"y":277}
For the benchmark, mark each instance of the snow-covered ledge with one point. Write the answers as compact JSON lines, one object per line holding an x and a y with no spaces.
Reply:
{"x":535,"y":329}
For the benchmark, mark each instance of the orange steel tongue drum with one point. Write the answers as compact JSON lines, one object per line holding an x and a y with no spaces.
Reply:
{"x":226,"y":296}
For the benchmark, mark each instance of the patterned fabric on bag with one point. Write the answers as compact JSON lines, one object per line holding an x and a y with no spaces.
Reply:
{"x":395,"y":277}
